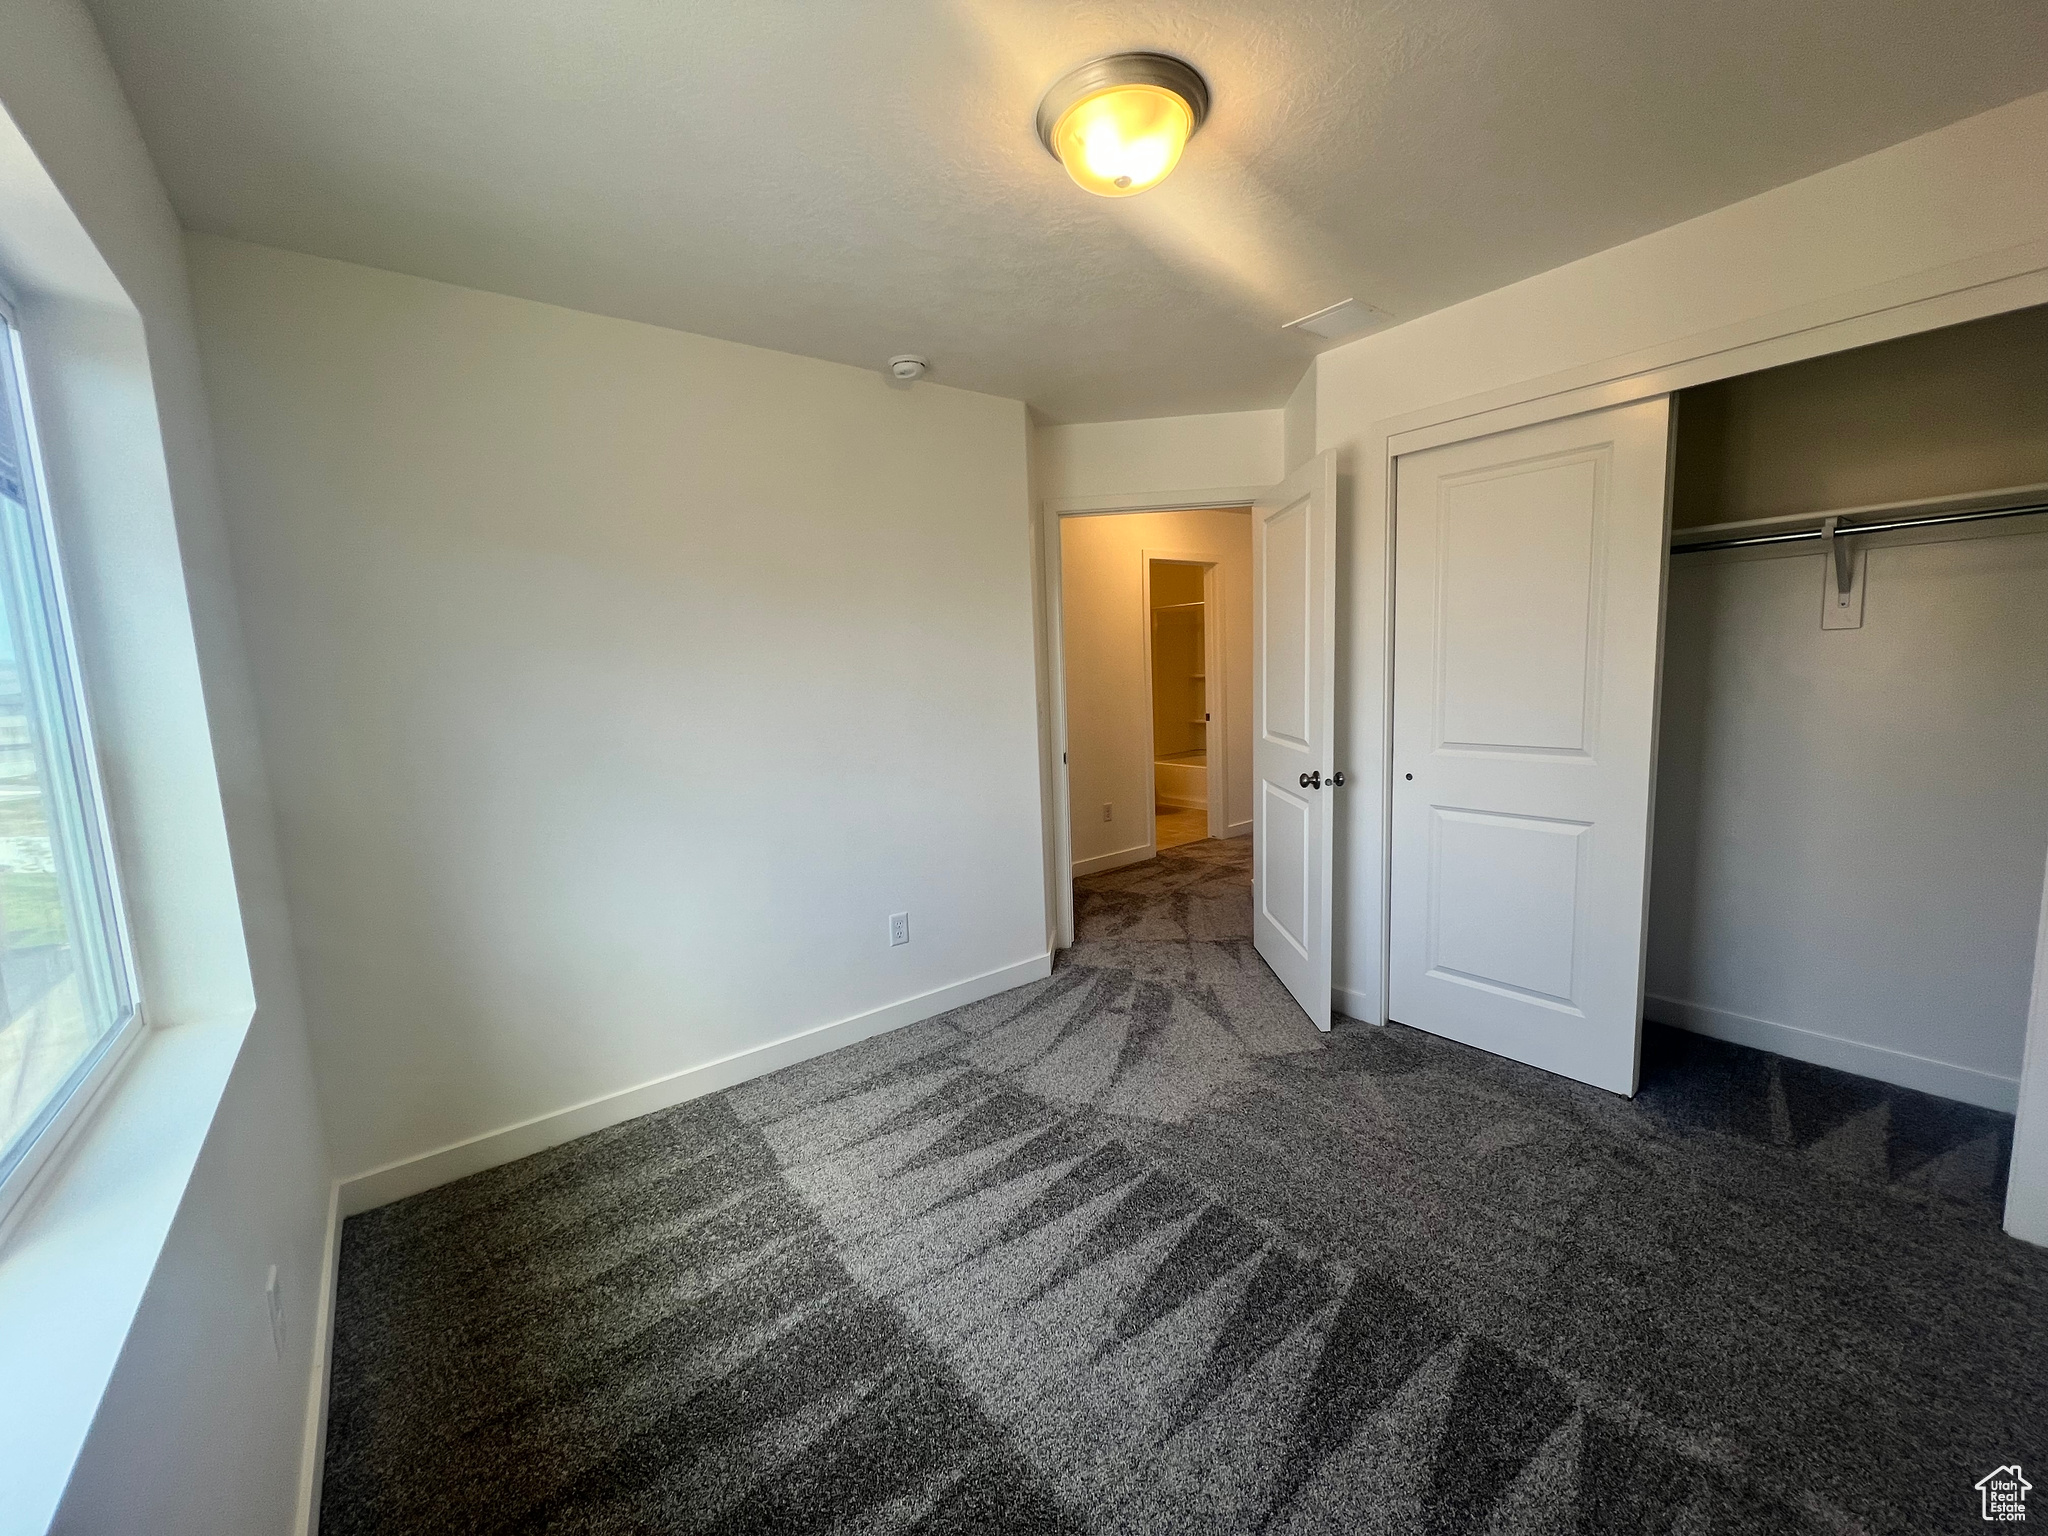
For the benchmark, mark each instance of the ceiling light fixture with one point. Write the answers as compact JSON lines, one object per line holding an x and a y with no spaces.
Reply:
{"x":1118,"y":124}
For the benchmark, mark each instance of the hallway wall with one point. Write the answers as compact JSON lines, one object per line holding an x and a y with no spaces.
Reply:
{"x":1102,"y":576}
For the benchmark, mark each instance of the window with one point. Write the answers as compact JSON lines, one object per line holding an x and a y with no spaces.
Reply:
{"x":67,"y":992}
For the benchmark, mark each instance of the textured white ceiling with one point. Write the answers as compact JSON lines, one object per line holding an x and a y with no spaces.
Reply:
{"x":856,"y":178}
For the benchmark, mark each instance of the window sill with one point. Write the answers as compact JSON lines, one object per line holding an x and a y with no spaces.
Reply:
{"x":78,"y":1259}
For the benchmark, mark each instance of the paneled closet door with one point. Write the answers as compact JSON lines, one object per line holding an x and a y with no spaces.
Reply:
{"x":1528,"y":628}
{"x":1294,"y":714}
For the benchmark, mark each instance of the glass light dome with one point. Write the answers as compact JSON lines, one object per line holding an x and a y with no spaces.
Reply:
{"x":1119,"y":124}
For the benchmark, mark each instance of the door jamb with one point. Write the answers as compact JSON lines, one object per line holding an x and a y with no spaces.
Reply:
{"x":1060,"y":835}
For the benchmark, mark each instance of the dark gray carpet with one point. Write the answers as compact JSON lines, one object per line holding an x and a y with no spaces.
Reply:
{"x":1135,"y":1250}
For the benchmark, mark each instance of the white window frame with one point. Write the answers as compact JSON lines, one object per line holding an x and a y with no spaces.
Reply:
{"x":97,"y":1070}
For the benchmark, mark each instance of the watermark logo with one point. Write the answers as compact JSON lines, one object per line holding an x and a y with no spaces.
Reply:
{"x":2005,"y":1494}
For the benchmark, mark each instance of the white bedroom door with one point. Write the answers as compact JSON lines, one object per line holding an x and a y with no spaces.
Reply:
{"x":1294,"y":711}
{"x":1529,"y":577}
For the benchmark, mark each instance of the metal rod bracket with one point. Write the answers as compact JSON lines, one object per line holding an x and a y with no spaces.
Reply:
{"x":1843,"y":560}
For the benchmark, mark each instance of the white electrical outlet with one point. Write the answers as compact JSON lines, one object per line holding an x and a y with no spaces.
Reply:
{"x":899,"y":928}
{"x":1105,"y":810}
{"x":273,"y":1293}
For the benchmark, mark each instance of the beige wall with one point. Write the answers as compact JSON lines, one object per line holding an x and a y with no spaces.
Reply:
{"x":1960,"y":409}
{"x":1102,"y":561}
{"x":618,"y":684}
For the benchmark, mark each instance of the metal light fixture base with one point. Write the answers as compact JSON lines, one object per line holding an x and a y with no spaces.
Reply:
{"x":1113,"y":69}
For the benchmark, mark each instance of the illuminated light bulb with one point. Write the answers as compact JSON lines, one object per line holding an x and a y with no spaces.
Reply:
{"x":1119,"y":124}
{"x":1124,"y":139}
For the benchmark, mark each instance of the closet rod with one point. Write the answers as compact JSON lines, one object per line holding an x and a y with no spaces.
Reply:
{"x":1841,"y":529}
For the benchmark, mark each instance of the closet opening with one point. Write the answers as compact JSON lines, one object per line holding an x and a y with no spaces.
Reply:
{"x":1767,"y":854}
{"x":1851,"y":812}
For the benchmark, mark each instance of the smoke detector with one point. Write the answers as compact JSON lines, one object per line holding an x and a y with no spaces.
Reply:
{"x":908,"y":368}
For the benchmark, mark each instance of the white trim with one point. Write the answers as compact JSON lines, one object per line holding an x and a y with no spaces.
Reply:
{"x":1151,"y":699}
{"x":44,"y":1157}
{"x":410,"y":1176}
{"x":1213,"y":498}
{"x":1924,"y":301}
{"x":1943,"y":1078}
{"x":2026,"y":1188}
{"x":90,"y":1078}
{"x":1138,"y":853}
{"x":1353,"y":1005}
{"x":1060,"y":834}
{"x":313,"y":1452}
{"x":1239,"y":829}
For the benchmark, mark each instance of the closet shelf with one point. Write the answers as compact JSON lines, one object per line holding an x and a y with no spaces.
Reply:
{"x":2012,"y":500}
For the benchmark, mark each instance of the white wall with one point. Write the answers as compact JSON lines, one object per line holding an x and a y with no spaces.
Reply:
{"x":1164,"y":453}
{"x":200,"y":1427}
{"x":1966,"y":204}
{"x":617,"y":685}
{"x":1102,"y":569}
{"x":1851,"y":823}
{"x":1298,"y":424}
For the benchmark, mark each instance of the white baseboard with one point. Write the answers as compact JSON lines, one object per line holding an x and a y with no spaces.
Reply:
{"x":313,"y":1452}
{"x":1181,"y":802}
{"x":1117,"y":860}
{"x":1903,"y":1068}
{"x":1355,"y":1005}
{"x":409,"y":1176}
{"x":1239,"y":829}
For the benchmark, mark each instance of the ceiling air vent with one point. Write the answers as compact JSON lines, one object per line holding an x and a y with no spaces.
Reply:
{"x":1340,"y":319}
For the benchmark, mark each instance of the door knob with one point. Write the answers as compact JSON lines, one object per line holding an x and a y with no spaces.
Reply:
{"x":1337,"y":779}
{"x":1312,"y":780}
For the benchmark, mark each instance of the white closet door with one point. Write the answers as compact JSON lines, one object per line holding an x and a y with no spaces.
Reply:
{"x":1528,"y":628}
{"x":1294,"y":714}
